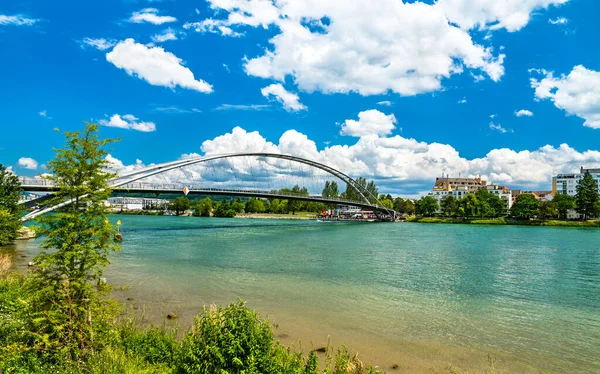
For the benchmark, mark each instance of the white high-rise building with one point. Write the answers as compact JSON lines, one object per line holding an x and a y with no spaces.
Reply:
{"x":567,"y":183}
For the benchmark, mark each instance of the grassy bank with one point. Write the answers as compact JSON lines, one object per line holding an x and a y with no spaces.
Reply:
{"x":505,"y":221}
{"x":232,"y":339}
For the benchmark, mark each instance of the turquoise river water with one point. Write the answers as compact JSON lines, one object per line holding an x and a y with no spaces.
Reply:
{"x":427,"y":297}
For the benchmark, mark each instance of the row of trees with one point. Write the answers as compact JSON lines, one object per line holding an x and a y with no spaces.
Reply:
{"x":484,"y":204}
{"x":229,"y":208}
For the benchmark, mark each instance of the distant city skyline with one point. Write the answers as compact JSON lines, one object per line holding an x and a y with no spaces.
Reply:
{"x":400,"y":92}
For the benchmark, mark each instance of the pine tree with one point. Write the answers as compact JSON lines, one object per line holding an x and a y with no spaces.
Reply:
{"x":587,"y":198}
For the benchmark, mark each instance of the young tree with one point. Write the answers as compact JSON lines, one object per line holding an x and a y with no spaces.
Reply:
{"x":204,"y":207}
{"x":180,"y":205}
{"x":9,"y":206}
{"x":587,"y":197}
{"x":564,"y":203}
{"x":67,"y":286}
{"x":427,"y":206}
{"x":526,"y":206}
{"x":449,"y":205}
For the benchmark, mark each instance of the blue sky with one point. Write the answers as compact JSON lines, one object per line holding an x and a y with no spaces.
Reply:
{"x":399,"y":92}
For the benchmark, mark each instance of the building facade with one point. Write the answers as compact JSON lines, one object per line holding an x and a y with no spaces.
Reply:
{"x":567,"y":183}
{"x":137,"y":203}
{"x":460,"y":187}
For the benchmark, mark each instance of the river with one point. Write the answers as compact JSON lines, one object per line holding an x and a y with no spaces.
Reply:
{"x":425,"y":297}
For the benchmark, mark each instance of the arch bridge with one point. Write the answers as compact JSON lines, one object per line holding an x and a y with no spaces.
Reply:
{"x":228,"y":175}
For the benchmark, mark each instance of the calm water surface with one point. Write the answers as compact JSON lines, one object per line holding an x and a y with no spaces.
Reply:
{"x":425,"y":297}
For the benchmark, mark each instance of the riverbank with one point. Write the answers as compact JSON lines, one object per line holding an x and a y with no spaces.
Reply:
{"x":505,"y":221}
{"x":297,"y":216}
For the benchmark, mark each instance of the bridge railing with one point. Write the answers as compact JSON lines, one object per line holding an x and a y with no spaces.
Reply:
{"x":28,"y":181}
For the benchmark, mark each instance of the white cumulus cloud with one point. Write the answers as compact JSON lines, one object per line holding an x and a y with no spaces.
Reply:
{"x":370,"y":122}
{"x":155,"y":66}
{"x":511,"y":15}
{"x":395,"y":162}
{"x":17,"y":20}
{"x":524,"y":113}
{"x":577,"y":93}
{"x":365,"y":46}
{"x":128,"y":122}
{"x":28,"y":163}
{"x":150,"y":15}
{"x":385,"y":103}
{"x":289,"y":100}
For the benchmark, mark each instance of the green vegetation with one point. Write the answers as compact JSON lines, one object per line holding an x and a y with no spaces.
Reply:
{"x":58,"y":318}
{"x":587,"y":199}
{"x":180,"y":205}
{"x":564,"y":203}
{"x":526,"y":206}
{"x":504,"y":221}
{"x":426,"y":206}
{"x":203,"y":208}
{"x":483,"y":207}
{"x":9,"y":206}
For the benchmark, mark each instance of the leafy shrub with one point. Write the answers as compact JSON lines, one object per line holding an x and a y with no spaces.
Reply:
{"x":235,"y":340}
{"x":155,"y":345}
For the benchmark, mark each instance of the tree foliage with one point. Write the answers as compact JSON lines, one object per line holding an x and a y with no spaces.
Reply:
{"x":426,"y":206}
{"x":526,"y":206}
{"x":548,"y":209}
{"x":371,"y":191}
{"x":255,"y":206}
{"x":68,"y":285}
{"x":331,"y":190}
{"x":223,"y":209}
{"x":204,"y":207}
{"x":9,"y":206}
{"x":449,"y":206}
{"x":180,"y":205}
{"x":564,"y":203}
{"x":587,"y":199}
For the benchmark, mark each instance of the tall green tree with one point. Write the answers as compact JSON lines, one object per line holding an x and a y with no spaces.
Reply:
{"x":68,"y":286}
{"x":180,"y":205}
{"x":587,"y":198}
{"x":9,"y":206}
{"x":449,"y":205}
{"x":526,"y":206}
{"x":427,"y":206}
{"x":204,"y":207}
{"x":564,"y":203}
